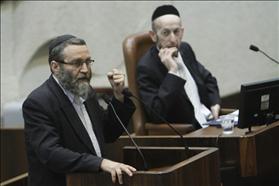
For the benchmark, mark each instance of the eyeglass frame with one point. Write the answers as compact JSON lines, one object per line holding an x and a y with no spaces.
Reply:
{"x":77,"y":63}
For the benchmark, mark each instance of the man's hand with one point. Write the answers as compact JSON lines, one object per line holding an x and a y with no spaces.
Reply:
{"x":167,"y":57}
{"x":116,"y":169}
{"x":117,"y":80}
{"x":215,"y":109}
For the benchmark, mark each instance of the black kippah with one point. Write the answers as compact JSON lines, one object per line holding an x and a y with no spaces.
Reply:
{"x":58,"y":40}
{"x":164,"y":10}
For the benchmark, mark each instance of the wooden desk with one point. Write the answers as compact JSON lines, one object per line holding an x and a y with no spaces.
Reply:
{"x":254,"y":154}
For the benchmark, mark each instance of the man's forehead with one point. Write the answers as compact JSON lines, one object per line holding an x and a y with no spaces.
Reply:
{"x":167,"y":20}
{"x":75,"y":48}
{"x":76,"y":51}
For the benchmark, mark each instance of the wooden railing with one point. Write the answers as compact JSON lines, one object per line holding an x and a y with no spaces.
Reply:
{"x":20,"y":180}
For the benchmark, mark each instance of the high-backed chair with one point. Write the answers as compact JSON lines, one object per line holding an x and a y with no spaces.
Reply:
{"x":134,"y":46}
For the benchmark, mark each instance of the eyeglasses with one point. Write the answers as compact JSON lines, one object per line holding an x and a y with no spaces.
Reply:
{"x":77,"y":63}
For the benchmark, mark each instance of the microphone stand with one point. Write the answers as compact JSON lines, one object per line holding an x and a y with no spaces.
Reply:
{"x":269,"y":57}
{"x":106,"y":99}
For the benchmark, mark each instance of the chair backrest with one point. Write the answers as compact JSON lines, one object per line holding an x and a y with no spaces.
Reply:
{"x":134,"y":47}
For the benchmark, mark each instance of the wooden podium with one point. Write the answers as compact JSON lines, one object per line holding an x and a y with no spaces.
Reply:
{"x":166,"y":166}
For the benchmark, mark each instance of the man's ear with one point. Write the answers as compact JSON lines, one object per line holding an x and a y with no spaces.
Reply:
{"x":182,"y":30}
{"x":153,"y":36}
{"x":54,"y":66}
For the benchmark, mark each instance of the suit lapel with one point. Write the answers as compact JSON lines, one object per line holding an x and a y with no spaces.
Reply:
{"x":77,"y":125}
{"x":71,"y":114}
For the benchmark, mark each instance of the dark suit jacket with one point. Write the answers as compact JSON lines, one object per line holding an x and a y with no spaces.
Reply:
{"x":56,"y":140}
{"x":164,"y":92}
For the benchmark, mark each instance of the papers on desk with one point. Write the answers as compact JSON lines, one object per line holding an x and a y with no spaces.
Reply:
{"x":217,"y":122}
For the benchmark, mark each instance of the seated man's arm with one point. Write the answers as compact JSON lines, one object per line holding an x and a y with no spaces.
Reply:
{"x":158,"y":95}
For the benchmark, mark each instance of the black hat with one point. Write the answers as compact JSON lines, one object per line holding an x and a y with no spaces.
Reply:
{"x":164,"y":10}
{"x":59,"y":40}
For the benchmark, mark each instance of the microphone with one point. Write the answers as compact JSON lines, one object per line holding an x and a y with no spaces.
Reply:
{"x":127,"y":93}
{"x":256,"y":49}
{"x":107,"y":100}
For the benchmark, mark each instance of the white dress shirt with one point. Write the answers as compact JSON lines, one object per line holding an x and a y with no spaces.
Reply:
{"x":200,"y":110}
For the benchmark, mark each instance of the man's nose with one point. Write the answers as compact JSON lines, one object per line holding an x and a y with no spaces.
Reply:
{"x":84,"y":68}
{"x":173,"y":38}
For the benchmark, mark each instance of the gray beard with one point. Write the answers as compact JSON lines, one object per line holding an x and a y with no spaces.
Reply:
{"x":70,"y":83}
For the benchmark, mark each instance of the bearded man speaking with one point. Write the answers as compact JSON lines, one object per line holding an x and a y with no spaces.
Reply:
{"x":65,"y":127}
